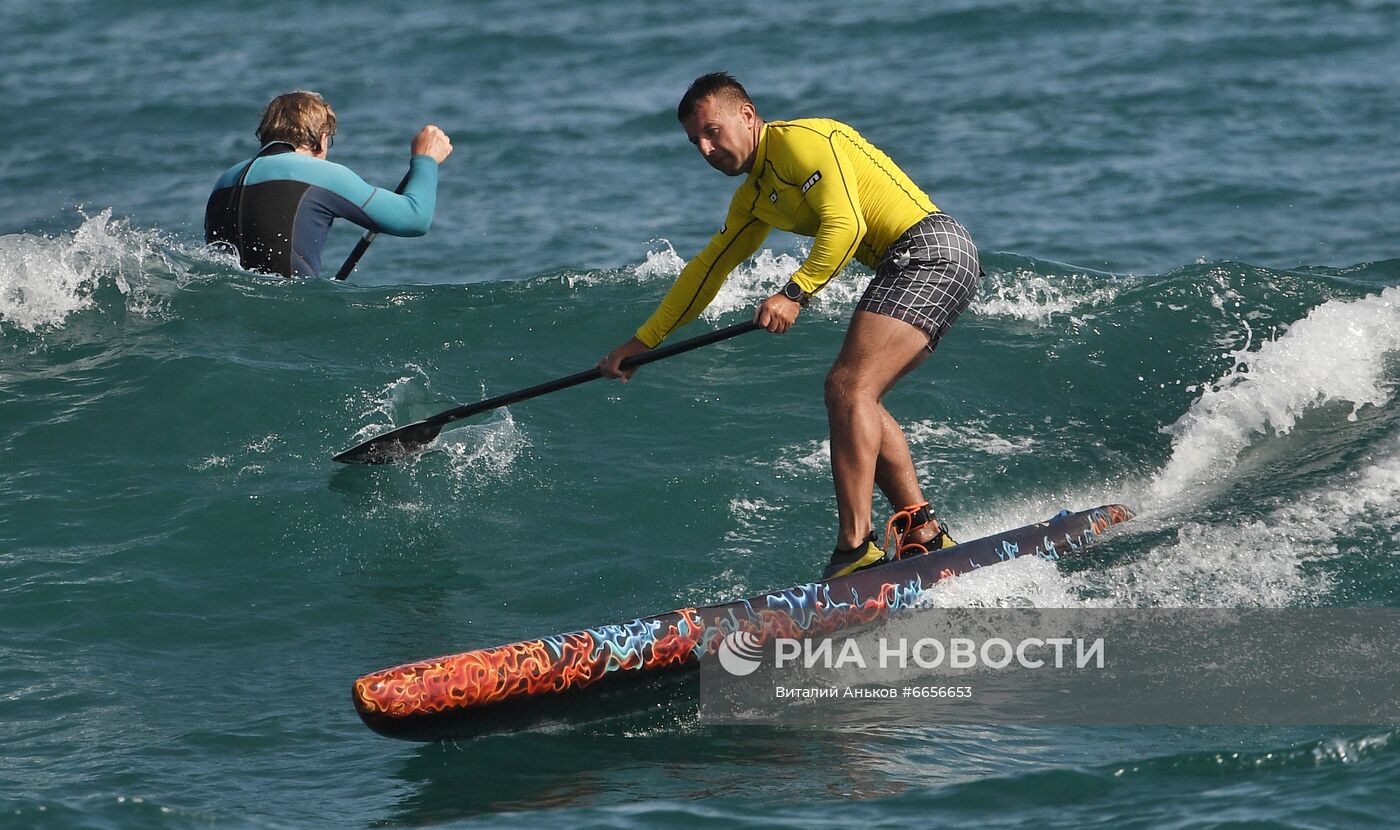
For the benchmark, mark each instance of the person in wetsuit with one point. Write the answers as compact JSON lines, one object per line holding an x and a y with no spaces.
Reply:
{"x":820,"y":178}
{"x":276,"y":208}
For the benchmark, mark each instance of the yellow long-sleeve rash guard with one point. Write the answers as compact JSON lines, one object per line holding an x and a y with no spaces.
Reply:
{"x":815,"y":177}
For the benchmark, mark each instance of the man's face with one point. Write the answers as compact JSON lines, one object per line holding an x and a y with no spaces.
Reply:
{"x":722,"y":129}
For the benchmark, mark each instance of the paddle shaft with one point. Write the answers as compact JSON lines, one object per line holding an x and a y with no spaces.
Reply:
{"x":363,"y":245}
{"x":595,"y":373}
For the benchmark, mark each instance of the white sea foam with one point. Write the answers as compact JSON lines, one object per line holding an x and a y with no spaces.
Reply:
{"x":39,"y":288}
{"x":477,"y":451}
{"x":486,"y":451}
{"x":938,"y":438}
{"x":1022,"y":294}
{"x":1259,"y":562}
{"x":930,"y":442}
{"x":806,"y":459}
{"x":765,"y":274}
{"x":45,"y":280}
{"x":754,"y":525}
{"x":264,"y":444}
{"x":761,"y":276}
{"x":724,"y":586}
{"x":1334,"y":354}
{"x":662,"y":261}
{"x":1262,"y":562}
{"x":1026,"y":295}
{"x":1370,"y":497}
{"x":1028,"y":582}
{"x":1253,"y":564}
{"x":752,"y":533}
{"x":383,"y":405}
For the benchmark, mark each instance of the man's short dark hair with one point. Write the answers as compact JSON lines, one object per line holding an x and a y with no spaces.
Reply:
{"x":715,"y":83}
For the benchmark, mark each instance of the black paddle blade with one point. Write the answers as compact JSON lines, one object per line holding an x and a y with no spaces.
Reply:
{"x":392,"y":446}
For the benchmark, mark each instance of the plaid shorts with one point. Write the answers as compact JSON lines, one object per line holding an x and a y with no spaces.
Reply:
{"x":927,"y":276}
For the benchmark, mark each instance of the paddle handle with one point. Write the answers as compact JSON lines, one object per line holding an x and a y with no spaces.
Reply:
{"x":363,"y":245}
{"x":659,"y":353}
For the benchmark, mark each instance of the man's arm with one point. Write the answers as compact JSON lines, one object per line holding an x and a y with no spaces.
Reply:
{"x":698,"y":283}
{"x":382,"y":210}
{"x":819,"y":161}
{"x":411,"y":213}
{"x":829,"y":186}
{"x":703,"y":276}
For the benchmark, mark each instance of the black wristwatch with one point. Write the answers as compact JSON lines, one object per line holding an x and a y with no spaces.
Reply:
{"x":794,"y":292}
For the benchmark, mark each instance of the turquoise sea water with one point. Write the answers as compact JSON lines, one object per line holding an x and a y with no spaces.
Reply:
{"x":1188,"y":221}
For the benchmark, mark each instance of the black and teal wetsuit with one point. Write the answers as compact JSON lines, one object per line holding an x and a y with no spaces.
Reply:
{"x":276,"y":209}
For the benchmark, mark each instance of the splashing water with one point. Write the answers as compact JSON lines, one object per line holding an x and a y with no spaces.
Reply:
{"x":1335,"y":353}
{"x":1026,"y":295}
{"x":46,"y":280}
{"x":662,"y":261}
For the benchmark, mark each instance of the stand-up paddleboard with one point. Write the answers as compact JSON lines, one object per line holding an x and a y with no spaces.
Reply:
{"x":519,"y":685}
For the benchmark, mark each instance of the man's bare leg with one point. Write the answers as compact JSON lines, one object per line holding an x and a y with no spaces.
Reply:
{"x":865,"y":440}
{"x":895,"y":474}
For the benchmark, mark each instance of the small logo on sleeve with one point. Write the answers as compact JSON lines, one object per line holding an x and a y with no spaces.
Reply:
{"x":773,"y":197}
{"x":807,"y":185}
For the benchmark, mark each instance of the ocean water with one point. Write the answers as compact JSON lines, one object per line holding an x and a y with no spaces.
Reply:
{"x":1188,"y":221}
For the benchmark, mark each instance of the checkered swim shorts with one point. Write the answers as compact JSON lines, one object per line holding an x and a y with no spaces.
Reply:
{"x":927,"y":276}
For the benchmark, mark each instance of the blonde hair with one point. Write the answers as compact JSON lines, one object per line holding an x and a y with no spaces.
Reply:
{"x":299,"y":118}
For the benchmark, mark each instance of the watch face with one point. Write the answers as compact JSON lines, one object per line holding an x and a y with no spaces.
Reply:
{"x":792,"y":292}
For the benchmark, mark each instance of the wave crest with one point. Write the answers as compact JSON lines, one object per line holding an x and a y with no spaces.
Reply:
{"x":46,"y":280}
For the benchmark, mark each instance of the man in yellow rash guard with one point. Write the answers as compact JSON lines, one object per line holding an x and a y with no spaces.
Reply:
{"x":821,"y":178}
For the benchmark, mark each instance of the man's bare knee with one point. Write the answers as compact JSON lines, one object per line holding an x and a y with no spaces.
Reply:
{"x":845,"y":389}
